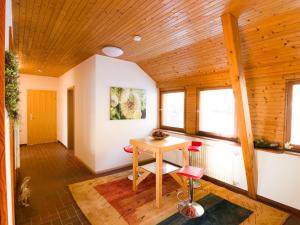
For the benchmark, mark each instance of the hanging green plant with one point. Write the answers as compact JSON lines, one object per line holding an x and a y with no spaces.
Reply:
{"x":11,"y":85}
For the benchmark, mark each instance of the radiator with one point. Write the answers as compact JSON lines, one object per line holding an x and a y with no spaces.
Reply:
{"x":218,"y":164}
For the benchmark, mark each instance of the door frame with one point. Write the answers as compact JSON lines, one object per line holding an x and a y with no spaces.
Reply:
{"x":73,"y":89}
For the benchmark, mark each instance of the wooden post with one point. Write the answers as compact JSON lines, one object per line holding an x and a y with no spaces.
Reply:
{"x":232,"y":44}
{"x":3,"y":197}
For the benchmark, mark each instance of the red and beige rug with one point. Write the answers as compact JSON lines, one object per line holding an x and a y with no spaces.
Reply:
{"x":110,"y":200}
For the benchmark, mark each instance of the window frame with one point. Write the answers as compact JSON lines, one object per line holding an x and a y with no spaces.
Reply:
{"x":161,"y":92}
{"x":211,"y":134}
{"x":288,"y":118}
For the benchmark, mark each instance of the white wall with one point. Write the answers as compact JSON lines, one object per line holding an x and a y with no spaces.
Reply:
{"x":112,"y":135}
{"x":277,"y":179}
{"x":99,"y":141}
{"x":32,"y":82}
{"x":82,"y":77}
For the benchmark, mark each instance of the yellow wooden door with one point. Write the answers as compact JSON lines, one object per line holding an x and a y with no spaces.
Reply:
{"x":41,"y":116}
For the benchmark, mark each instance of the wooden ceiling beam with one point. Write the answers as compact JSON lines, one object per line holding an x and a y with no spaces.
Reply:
{"x":232,"y":44}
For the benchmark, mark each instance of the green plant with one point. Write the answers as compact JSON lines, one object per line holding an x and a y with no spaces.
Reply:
{"x":11,"y":85}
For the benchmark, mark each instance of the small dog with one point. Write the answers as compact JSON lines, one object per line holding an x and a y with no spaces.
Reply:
{"x":25,"y":192}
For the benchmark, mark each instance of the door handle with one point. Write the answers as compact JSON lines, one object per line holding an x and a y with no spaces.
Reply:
{"x":30,"y":117}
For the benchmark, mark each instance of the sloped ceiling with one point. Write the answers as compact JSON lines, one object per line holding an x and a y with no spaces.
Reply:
{"x":180,"y":38}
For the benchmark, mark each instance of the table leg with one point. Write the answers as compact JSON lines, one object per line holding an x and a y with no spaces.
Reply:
{"x":159,"y":165}
{"x":135,"y":166}
{"x":185,"y":156}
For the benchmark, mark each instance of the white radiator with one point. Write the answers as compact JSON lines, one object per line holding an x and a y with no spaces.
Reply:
{"x":221,"y":161}
{"x":218,"y":163}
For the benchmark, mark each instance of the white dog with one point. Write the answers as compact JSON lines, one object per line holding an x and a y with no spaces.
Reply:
{"x":25,"y":192}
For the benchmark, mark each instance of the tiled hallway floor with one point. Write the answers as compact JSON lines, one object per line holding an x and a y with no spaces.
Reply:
{"x":51,"y":168}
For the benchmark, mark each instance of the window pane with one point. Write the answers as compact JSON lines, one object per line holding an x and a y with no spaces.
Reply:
{"x":217,"y":112}
{"x":295,"y":123}
{"x":173,"y":109}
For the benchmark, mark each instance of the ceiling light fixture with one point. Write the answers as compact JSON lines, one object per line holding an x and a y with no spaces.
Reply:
{"x":137,"y":38}
{"x":112,"y":51}
{"x":39,"y":70}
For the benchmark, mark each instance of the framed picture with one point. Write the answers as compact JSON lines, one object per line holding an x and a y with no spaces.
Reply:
{"x":127,"y":103}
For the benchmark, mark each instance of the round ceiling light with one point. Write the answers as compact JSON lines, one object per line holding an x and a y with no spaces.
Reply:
{"x":112,"y":51}
{"x":137,"y":38}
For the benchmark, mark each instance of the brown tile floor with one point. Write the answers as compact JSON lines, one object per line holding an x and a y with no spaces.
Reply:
{"x":52,"y":168}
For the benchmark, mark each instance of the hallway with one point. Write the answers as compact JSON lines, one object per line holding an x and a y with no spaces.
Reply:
{"x":51,"y":168}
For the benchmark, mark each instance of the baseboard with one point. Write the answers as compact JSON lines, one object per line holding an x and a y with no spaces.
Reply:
{"x":262,"y":199}
{"x":59,"y":142}
{"x":83,"y":163}
{"x":122,"y":168}
{"x":115,"y":169}
{"x":278,"y":205}
{"x":225,"y":185}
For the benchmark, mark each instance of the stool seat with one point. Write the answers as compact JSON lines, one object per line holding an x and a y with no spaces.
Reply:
{"x":128,"y":148}
{"x":191,"y":172}
{"x":192,"y":148}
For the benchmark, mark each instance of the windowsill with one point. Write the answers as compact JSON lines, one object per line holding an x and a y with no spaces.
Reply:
{"x":202,"y":137}
{"x":233,"y":143}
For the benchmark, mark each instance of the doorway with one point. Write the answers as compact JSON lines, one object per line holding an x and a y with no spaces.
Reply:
{"x":41,"y":116}
{"x":71,"y":118}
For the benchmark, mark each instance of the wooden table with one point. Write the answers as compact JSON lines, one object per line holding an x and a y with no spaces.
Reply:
{"x":157,"y":148}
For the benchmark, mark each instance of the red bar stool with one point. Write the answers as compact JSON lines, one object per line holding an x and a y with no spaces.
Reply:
{"x":194,"y":148}
{"x":189,"y":208}
{"x":129,"y":149}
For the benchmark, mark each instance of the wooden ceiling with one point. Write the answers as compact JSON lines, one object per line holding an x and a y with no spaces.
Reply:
{"x":179,"y":37}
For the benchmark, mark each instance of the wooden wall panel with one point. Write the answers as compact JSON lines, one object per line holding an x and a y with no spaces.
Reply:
{"x":3,"y":198}
{"x":267,"y":97}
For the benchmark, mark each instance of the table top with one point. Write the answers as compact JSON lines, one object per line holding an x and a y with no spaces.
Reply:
{"x":167,"y":143}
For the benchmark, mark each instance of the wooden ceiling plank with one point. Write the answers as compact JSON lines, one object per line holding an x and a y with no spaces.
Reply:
{"x":44,"y":13}
{"x":106,"y":8}
{"x":166,"y":28}
{"x":70,"y":14}
{"x":80,"y":37}
{"x":111,"y":34}
{"x":142,"y":32}
{"x":52,"y":18}
{"x":15,"y":13}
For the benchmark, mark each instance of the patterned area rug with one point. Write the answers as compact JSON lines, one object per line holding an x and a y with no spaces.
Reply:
{"x":110,"y":200}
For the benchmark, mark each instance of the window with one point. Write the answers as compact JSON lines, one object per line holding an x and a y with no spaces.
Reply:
{"x":172,"y":110}
{"x":293,"y":114}
{"x":217,"y":113}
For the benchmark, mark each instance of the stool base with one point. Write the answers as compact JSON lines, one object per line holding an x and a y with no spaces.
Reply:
{"x":190,"y":210}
